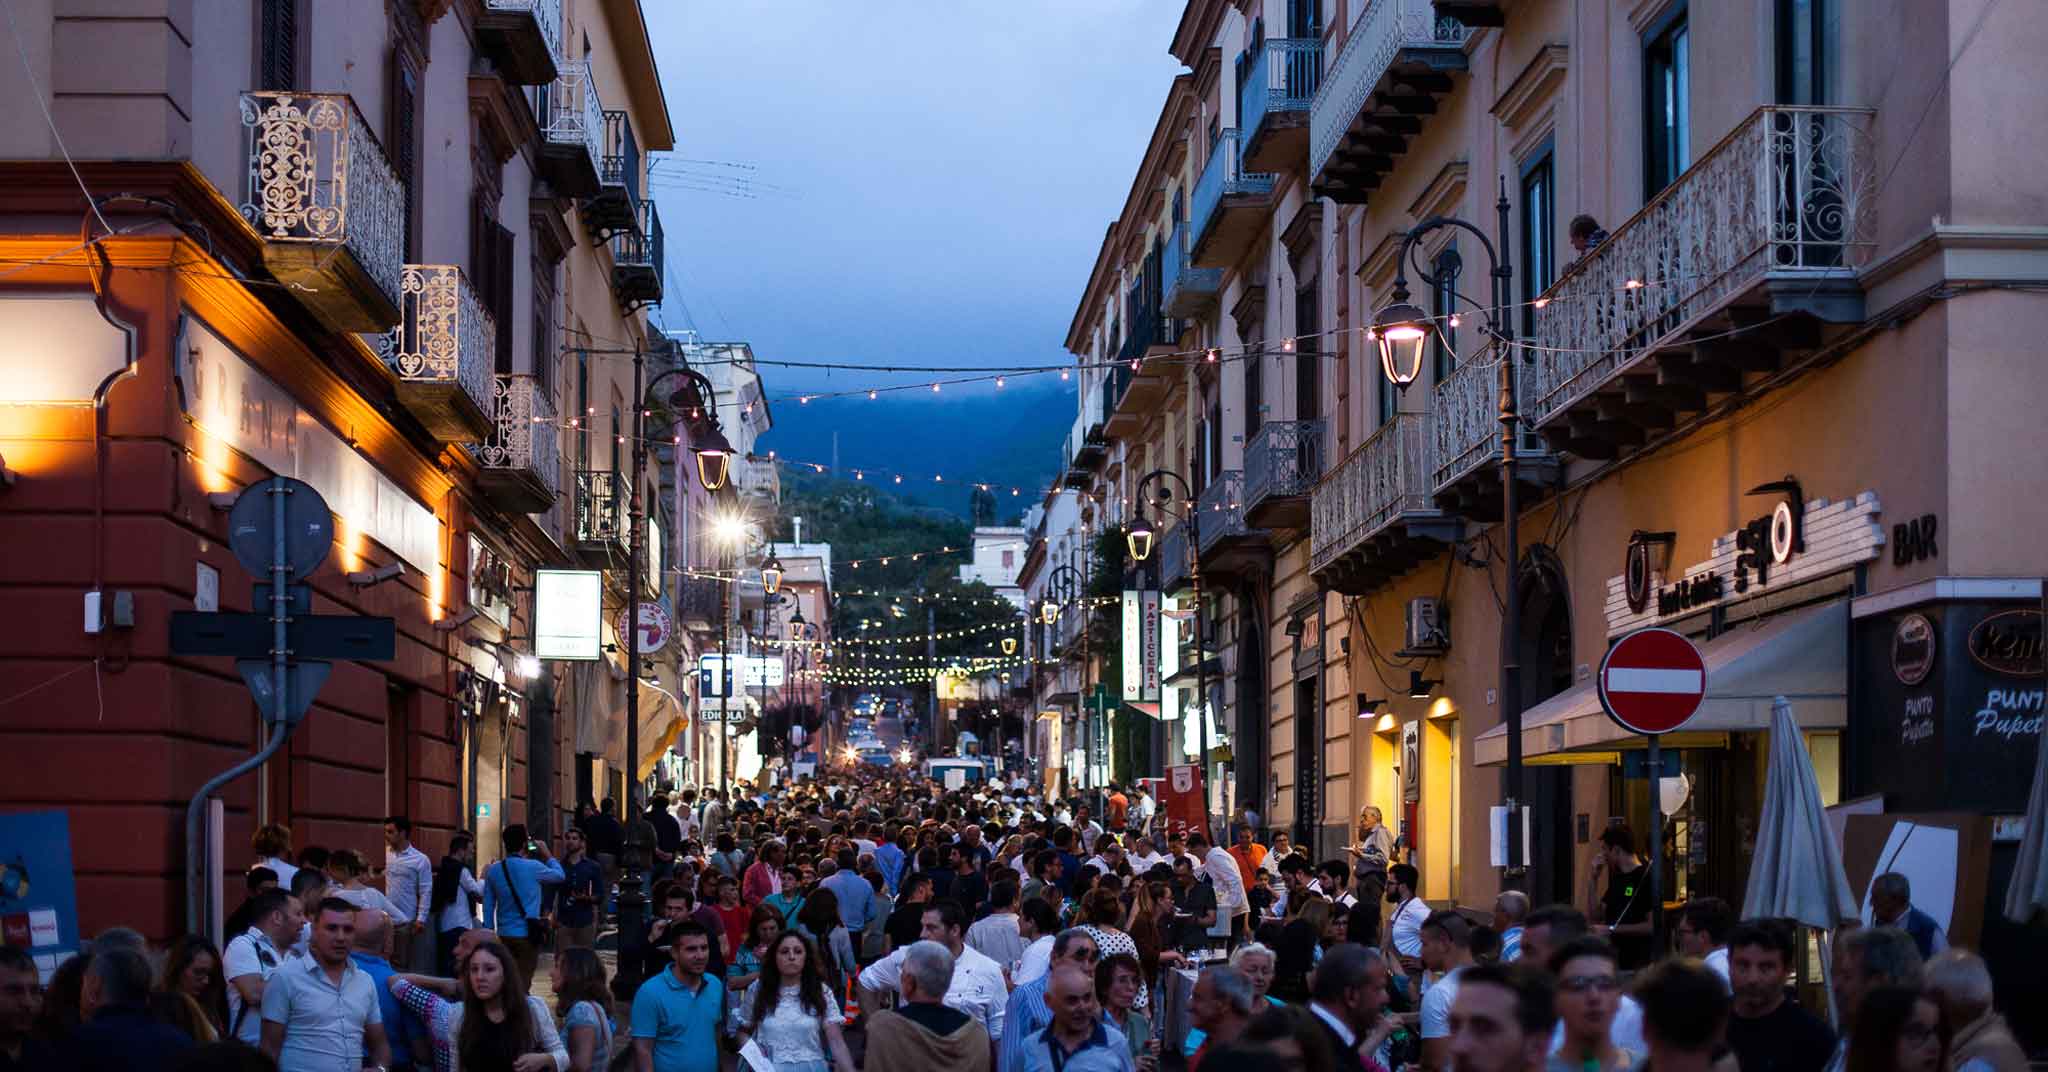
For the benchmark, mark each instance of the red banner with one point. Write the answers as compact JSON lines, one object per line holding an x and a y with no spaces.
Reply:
{"x":1182,"y":795}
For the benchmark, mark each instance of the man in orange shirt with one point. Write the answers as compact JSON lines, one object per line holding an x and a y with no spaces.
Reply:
{"x":1119,"y":807}
{"x":1249,"y":855}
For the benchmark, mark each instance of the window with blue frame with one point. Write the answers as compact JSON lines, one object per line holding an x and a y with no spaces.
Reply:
{"x":1539,"y":230}
{"x":1667,"y":101}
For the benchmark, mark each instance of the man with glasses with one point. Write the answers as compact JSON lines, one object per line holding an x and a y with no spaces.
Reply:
{"x":1027,"y":1014}
{"x":1702,"y":932}
{"x":1588,"y":996}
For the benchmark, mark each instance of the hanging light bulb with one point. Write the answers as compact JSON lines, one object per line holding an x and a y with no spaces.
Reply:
{"x":935,"y":388}
{"x":1287,"y":345}
{"x":1212,"y":355}
{"x":871,"y":396}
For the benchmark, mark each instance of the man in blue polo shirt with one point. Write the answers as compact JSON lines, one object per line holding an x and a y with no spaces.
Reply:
{"x":1078,"y":1039}
{"x":676,"y":1014}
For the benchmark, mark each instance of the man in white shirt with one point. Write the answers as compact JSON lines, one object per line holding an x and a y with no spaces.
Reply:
{"x":998,"y":935}
{"x":253,"y":956}
{"x":1146,"y":807}
{"x":1334,"y":881}
{"x":1225,"y":879}
{"x":1702,"y":932}
{"x":1038,"y":926}
{"x":321,"y":1012}
{"x":1404,"y":928}
{"x":978,"y":988}
{"x":1143,"y":857}
{"x":409,"y":886}
{"x":1444,"y":950}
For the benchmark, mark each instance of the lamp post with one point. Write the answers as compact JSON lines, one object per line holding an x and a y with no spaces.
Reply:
{"x":1140,"y":541}
{"x":713,"y":455}
{"x":1403,"y":332}
{"x":1061,"y":586}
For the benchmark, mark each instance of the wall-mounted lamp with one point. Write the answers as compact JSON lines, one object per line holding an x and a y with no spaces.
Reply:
{"x":1367,"y":706}
{"x":7,"y":476}
{"x":449,"y":625}
{"x":366,"y":578}
{"x":1420,"y":687}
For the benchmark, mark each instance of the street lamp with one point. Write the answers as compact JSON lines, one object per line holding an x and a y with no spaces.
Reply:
{"x":1139,"y":539}
{"x":1194,"y":541}
{"x":797,"y":625}
{"x":1403,"y":331}
{"x":771,"y":572}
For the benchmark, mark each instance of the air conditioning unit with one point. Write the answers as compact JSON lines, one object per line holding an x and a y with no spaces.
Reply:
{"x":1428,"y":629}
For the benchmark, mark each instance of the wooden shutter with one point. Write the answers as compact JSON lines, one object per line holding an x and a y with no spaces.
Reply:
{"x":500,"y":294}
{"x":402,"y":139}
{"x":277,"y":64}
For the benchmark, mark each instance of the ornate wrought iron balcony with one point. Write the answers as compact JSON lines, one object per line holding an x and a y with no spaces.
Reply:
{"x":1175,"y":564}
{"x":1228,"y":207}
{"x":327,"y":205}
{"x":1273,"y":110}
{"x":442,"y":353}
{"x":1188,"y":291}
{"x":1372,"y":518}
{"x":637,"y":263}
{"x":572,"y":130}
{"x":522,"y":38}
{"x":1281,"y":466}
{"x":601,"y":515}
{"x":615,"y":208}
{"x":1464,"y":419}
{"x":699,"y":601}
{"x":521,"y":462}
{"x":1740,"y":259}
{"x":1378,"y":92}
{"x":1226,"y":545}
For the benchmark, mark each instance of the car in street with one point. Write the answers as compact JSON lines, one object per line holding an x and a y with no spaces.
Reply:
{"x":874,"y":757}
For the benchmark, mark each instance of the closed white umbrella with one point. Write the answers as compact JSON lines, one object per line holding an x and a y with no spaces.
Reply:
{"x":1796,"y":871}
{"x":2028,"y":892}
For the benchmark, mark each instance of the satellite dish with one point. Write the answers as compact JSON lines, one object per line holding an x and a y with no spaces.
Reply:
{"x":308,"y":526}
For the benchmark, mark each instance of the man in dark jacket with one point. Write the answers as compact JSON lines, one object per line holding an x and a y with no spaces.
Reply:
{"x":118,"y":1034}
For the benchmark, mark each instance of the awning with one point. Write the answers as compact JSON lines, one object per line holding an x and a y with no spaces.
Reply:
{"x":1151,"y":709}
{"x":1186,"y":677}
{"x":1802,"y":655}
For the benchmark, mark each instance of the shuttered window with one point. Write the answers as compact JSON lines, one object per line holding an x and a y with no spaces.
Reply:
{"x":401,"y":140}
{"x":277,"y":43}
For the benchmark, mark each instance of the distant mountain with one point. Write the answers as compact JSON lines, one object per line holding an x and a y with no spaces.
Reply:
{"x":1009,"y":439}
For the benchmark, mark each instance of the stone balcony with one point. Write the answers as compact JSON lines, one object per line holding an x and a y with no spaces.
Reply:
{"x":1372,"y":518}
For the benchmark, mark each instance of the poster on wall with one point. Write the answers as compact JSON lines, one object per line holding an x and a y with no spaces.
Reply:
{"x":1946,"y":857}
{"x":38,"y":897}
{"x":1183,"y":792}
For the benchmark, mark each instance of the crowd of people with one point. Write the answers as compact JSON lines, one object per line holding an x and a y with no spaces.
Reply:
{"x":879,"y":920}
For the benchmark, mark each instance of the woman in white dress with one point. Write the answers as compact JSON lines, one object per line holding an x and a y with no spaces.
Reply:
{"x":790,"y":1015}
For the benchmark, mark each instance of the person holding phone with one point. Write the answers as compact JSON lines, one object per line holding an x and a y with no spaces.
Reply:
{"x":512,"y":896}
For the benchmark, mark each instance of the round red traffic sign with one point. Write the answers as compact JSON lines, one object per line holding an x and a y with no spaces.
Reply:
{"x":1652,"y":681}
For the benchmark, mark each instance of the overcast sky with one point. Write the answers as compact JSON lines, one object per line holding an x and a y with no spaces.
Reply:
{"x":930,"y":180}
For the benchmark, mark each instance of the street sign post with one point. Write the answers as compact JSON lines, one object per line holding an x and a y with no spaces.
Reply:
{"x":279,"y":530}
{"x":1652,"y":682}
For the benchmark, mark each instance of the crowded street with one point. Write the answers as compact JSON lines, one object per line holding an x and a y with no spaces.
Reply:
{"x":1065,"y":536}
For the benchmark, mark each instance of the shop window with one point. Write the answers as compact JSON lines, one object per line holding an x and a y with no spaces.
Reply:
{"x":1667,"y":102}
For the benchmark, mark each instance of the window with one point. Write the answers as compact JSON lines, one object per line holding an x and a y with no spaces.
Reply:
{"x":1009,"y":560}
{"x":491,"y":249}
{"x":1443,"y":304}
{"x":581,"y":417}
{"x":1809,"y":39}
{"x":1308,"y":354}
{"x":277,"y":44}
{"x":1667,"y":103}
{"x":401,"y":136}
{"x":1254,"y":391}
{"x":544,"y":286}
{"x":1305,"y":18}
{"x":1539,"y":231}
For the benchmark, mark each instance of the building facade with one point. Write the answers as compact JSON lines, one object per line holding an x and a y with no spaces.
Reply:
{"x":227,"y":231}
{"x":1790,"y":353}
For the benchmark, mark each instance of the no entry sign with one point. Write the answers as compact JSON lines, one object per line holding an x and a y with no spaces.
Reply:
{"x":1652,"y":681}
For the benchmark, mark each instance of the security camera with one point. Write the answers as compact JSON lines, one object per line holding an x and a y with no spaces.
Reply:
{"x":366,"y":578}
{"x":449,"y":625}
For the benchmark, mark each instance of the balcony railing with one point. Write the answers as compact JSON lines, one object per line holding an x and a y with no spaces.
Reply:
{"x":1377,"y":39}
{"x":1283,"y":79}
{"x":522,"y":459}
{"x":1224,"y":176}
{"x":616,"y":205}
{"x":443,"y":352}
{"x":1464,"y":416}
{"x":1785,"y":196}
{"x":572,"y":129}
{"x":1284,"y":460}
{"x":327,"y":205}
{"x":1387,"y":476}
{"x":757,"y":477}
{"x":1221,"y":509}
{"x":1187,"y":290}
{"x":1176,"y":569}
{"x":524,"y":37}
{"x":698,"y":602}
{"x":600,"y":509}
{"x":637,"y":261}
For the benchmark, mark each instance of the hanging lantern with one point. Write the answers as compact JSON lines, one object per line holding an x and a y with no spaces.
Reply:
{"x":1009,"y":645}
{"x":1139,"y":540}
{"x":1403,"y":331}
